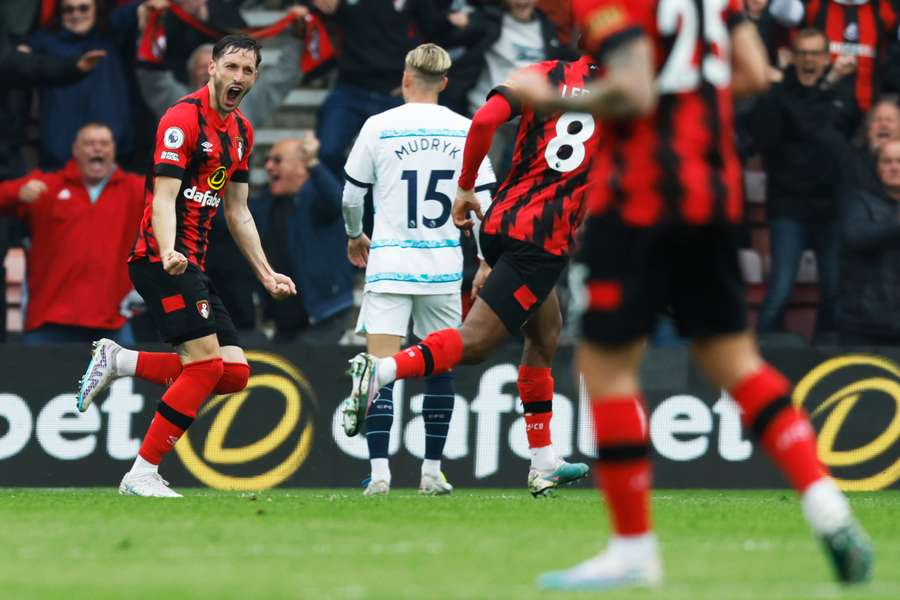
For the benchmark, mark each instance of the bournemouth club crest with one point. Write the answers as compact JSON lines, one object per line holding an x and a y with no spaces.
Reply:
{"x":203,"y":308}
{"x":239,"y":146}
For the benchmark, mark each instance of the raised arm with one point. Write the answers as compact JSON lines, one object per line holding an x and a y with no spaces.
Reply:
{"x":749,"y":61}
{"x":628,"y":89}
{"x":243,"y":230}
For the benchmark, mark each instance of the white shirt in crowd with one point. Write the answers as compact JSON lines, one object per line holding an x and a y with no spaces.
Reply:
{"x":519,"y":45}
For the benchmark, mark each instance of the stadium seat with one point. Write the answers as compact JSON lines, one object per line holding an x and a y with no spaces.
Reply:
{"x":751,"y":266}
{"x":755,"y":187}
{"x":808,"y":272}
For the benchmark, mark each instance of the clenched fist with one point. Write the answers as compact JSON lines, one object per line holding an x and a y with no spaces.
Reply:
{"x":174,"y":263}
{"x":32,"y":190}
{"x":279,"y":286}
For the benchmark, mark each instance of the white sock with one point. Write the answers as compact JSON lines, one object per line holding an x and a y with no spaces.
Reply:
{"x":634,"y":546}
{"x":126,"y":362}
{"x":543,"y":459}
{"x":826,"y":509}
{"x":381,"y":470}
{"x":142,"y":466}
{"x":431,"y":467}
{"x":386,"y":372}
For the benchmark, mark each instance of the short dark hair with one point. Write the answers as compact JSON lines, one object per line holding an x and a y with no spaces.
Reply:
{"x":237,"y":41}
{"x":811,"y":32}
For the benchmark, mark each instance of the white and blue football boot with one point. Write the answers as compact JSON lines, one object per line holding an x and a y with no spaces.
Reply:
{"x":100,"y":372}
{"x":615,"y":567}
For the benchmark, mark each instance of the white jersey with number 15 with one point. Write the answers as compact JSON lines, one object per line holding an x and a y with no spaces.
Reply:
{"x":411,"y":157}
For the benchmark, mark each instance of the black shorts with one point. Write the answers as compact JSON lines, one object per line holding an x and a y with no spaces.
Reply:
{"x":631,"y":275}
{"x":184,"y":307}
{"x":521,"y":278}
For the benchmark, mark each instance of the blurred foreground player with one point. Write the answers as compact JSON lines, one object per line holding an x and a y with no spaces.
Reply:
{"x":662,"y":231}
{"x":525,"y":237}
{"x":203,"y":146}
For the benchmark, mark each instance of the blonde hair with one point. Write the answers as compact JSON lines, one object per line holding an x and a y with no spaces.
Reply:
{"x":429,"y":62}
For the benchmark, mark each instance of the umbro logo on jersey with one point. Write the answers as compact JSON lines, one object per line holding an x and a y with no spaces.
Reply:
{"x":203,"y":308}
{"x":207,"y":147}
{"x":64,"y":194}
{"x":206,"y":198}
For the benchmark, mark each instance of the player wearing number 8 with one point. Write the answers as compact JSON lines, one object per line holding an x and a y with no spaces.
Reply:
{"x":525,"y":239}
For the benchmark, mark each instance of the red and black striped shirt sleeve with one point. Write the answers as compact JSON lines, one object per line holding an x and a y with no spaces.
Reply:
{"x":176,"y":138}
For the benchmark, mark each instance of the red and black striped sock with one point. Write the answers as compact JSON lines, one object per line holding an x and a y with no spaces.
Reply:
{"x":179,"y":406}
{"x":622,"y":472}
{"x":783,"y":429}
{"x":437,"y":353}
{"x":536,"y":392}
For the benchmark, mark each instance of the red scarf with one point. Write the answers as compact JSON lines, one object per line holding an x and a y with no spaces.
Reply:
{"x":318,"y":49}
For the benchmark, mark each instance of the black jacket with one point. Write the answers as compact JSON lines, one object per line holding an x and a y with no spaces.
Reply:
{"x":376,"y":37}
{"x":870,"y":266}
{"x":19,"y":72}
{"x":468,"y":56}
{"x":802,"y":133}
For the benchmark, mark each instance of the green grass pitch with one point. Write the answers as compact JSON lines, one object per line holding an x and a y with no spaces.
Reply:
{"x":479,"y":544}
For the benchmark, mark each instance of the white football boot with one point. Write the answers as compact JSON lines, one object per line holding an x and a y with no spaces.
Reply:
{"x":615,"y":567}
{"x":377,"y":488}
{"x":542,"y":483}
{"x":148,"y":483}
{"x":100,"y":372}
{"x":430,"y":485}
{"x":363,"y":393}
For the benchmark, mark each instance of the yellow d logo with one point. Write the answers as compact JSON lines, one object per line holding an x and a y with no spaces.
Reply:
{"x":216,"y":179}
{"x":878,"y":376}
{"x":268,"y":460}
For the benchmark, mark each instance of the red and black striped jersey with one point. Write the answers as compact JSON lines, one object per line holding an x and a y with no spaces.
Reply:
{"x":679,"y":163}
{"x":206,"y":152}
{"x":541,"y":201}
{"x":860,"y":29}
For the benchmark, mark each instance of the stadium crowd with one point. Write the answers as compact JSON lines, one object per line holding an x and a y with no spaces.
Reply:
{"x":86,"y":80}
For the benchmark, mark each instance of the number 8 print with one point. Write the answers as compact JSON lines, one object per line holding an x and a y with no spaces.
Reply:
{"x":566,"y":151}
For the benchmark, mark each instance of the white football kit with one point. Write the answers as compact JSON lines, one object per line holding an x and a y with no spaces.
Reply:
{"x":411,"y":158}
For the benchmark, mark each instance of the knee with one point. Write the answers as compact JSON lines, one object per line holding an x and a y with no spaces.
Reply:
{"x":233,"y":379}
{"x":477,"y":348}
{"x":544,"y":348}
{"x":207,"y":372}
